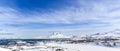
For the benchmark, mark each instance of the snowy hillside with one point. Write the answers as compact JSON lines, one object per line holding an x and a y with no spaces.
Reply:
{"x":81,"y":47}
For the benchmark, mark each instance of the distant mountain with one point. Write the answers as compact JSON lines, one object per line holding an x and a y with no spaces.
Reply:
{"x":111,"y":34}
{"x":59,"y":35}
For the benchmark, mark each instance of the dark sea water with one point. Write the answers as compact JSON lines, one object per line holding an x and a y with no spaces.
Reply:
{"x":6,"y":41}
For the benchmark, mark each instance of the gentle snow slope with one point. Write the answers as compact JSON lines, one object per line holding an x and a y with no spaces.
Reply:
{"x":79,"y":47}
{"x":2,"y":49}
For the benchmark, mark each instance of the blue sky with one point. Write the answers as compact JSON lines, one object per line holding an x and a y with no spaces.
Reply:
{"x":35,"y":18}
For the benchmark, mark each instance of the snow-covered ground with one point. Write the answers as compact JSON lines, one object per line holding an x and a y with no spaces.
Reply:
{"x":68,"y":47}
{"x":3,"y":49}
{"x":84,"y":47}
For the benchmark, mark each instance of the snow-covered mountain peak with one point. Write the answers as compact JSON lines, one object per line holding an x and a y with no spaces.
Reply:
{"x":59,"y":35}
{"x":115,"y":33}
